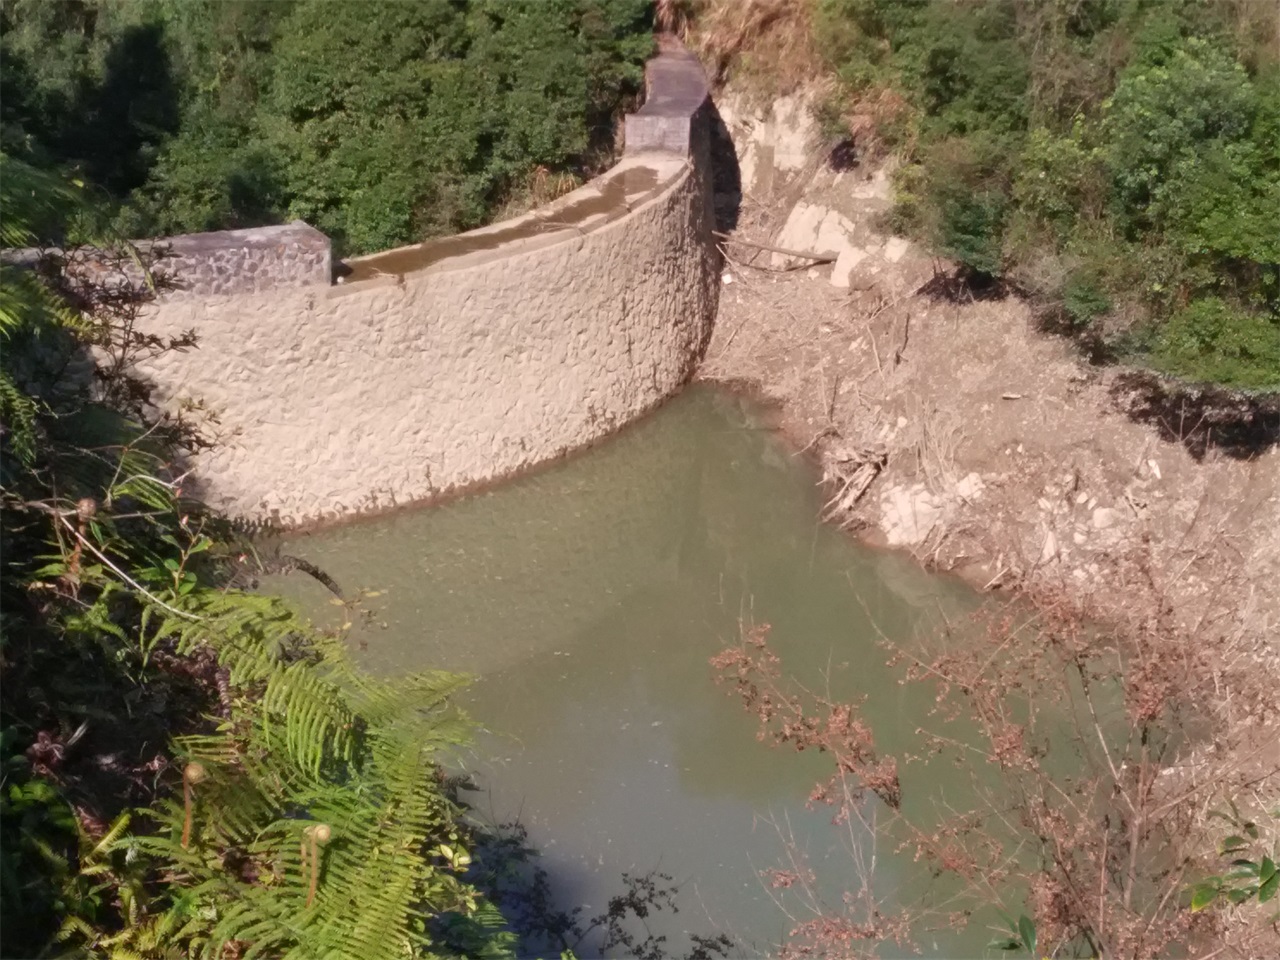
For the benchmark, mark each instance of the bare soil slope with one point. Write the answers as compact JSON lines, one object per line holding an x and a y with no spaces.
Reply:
{"x":949,"y":425}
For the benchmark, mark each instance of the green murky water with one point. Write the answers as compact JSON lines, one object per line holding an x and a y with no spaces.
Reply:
{"x":588,"y":598}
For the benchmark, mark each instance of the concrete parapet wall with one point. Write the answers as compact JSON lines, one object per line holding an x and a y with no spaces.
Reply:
{"x":458,"y":361}
{"x":247,"y":261}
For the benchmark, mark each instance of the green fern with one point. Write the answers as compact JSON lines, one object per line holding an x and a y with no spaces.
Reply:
{"x":321,"y":744}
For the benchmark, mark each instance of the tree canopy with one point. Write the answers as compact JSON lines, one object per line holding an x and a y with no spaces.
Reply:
{"x":379,"y":123}
{"x":1117,"y":160}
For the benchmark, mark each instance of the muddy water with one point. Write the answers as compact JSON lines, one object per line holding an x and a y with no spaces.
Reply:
{"x":587,"y":599}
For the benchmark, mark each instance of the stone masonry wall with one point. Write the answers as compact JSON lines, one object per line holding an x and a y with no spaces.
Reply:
{"x":247,"y":261}
{"x":220,"y":262}
{"x":337,"y":400}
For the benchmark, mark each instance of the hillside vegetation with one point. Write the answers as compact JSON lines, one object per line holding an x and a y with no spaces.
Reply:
{"x":1117,"y":161}
{"x":188,"y":769}
{"x":378,"y":123}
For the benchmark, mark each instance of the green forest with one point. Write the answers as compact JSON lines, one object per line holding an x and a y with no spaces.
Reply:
{"x":380,"y":124}
{"x":1116,"y":161}
{"x":190,"y":769}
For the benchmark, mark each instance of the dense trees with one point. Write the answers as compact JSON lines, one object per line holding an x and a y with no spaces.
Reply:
{"x":1119,"y":160}
{"x":380,"y":123}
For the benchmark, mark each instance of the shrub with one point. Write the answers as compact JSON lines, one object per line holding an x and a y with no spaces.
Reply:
{"x":972,"y":230}
{"x":1211,"y":340}
{"x":1163,"y":115}
{"x":1084,"y":300}
{"x":1102,"y":151}
{"x":380,"y":123}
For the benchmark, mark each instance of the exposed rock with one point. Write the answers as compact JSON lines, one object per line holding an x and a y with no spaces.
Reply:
{"x":970,"y":487}
{"x":1106,"y":517}
{"x":896,"y":248}
{"x":909,"y":514}
{"x":845,"y":264}
{"x":811,"y":228}
{"x":1050,"y":550}
{"x":774,"y":142}
{"x":834,"y":234}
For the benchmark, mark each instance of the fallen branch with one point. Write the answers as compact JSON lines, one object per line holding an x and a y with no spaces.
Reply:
{"x":906,"y":334}
{"x":817,"y":258}
{"x":852,"y":470}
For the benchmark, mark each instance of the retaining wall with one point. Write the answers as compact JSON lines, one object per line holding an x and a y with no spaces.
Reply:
{"x":454,"y":362}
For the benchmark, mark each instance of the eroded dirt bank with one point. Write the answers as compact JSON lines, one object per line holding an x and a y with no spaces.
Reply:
{"x":949,"y":425}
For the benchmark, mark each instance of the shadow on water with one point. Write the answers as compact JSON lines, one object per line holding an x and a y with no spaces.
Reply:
{"x":554,"y":908}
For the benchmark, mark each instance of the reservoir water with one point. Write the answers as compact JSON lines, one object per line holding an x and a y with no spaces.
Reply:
{"x":587,"y":600}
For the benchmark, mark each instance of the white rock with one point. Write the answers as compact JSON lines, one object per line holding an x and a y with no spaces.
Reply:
{"x":846,"y":263}
{"x":747,"y":165}
{"x":871,"y":190}
{"x":833,"y":234}
{"x":970,"y":487}
{"x":1050,"y":549}
{"x":791,"y":132}
{"x":909,"y":514}
{"x":896,"y":248}
{"x":1105,"y":518}
{"x":800,"y":232}
{"x":801,"y":226}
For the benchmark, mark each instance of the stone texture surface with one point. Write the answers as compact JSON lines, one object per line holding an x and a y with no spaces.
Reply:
{"x":335,"y":400}
{"x":774,"y":141}
{"x":247,"y":261}
{"x":220,"y":262}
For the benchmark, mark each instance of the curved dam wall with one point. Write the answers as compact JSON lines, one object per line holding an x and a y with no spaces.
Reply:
{"x":453,"y":362}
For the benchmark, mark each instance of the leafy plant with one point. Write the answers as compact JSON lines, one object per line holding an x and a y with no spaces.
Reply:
{"x":1252,"y":874}
{"x":1117,"y":155}
{"x":1211,"y":339}
{"x":1021,"y":938}
{"x":189,"y":770}
{"x":380,"y":123}
{"x":1084,"y":300}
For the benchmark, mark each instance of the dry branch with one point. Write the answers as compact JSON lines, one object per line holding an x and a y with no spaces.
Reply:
{"x":817,"y":258}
